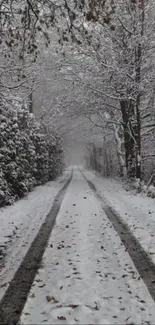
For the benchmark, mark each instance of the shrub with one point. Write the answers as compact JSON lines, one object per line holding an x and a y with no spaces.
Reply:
{"x":30,"y":154}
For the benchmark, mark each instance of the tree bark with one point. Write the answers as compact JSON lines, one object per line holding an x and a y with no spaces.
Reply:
{"x":30,"y":100}
{"x":129,"y":143}
{"x":119,"y":149}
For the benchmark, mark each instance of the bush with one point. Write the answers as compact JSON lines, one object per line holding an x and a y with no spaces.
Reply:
{"x":30,"y":154}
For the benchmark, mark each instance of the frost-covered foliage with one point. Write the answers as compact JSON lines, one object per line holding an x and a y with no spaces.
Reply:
{"x":139,"y":186}
{"x":30,"y":154}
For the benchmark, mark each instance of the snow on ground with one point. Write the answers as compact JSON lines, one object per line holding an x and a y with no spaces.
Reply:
{"x":20,"y":223}
{"x":138,"y":211}
{"x":86,"y":276}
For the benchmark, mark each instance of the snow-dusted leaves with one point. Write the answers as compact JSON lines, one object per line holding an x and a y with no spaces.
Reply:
{"x":30,"y":154}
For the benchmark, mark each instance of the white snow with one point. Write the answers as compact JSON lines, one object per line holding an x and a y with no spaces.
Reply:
{"x":20,"y":223}
{"x":138,"y":211}
{"x":86,"y":276}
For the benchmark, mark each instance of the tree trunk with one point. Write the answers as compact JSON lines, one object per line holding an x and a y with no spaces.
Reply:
{"x":132,"y":136}
{"x":95,"y":157}
{"x":138,"y":63}
{"x":131,"y":109}
{"x":30,"y":101}
{"x":119,"y":149}
{"x":129,"y":143}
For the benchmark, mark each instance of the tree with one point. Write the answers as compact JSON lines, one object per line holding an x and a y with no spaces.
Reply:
{"x":122,"y":51}
{"x":21,"y":23}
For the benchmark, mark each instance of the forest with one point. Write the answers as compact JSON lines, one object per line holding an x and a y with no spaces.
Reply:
{"x":80,"y":71}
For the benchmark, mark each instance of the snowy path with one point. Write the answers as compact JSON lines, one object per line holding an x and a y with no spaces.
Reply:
{"x":20,"y":223}
{"x":86,"y":275}
{"x":138,"y":211}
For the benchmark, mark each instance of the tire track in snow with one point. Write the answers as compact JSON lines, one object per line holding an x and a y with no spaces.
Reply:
{"x":15,"y":297}
{"x":140,"y":258}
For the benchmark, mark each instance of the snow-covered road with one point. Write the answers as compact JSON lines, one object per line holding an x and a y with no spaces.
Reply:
{"x":86,"y":275}
{"x":20,"y":223}
{"x":136,"y":210}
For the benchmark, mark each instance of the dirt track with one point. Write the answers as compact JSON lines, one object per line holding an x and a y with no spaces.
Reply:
{"x":140,"y":258}
{"x":14,"y":299}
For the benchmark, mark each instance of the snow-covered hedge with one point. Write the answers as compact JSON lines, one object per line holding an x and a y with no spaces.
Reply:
{"x":140,"y":186}
{"x":30,"y":154}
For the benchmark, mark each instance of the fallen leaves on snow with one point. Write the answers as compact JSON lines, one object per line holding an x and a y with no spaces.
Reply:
{"x":51,"y":299}
{"x":61,"y":317}
{"x":73,"y":306}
